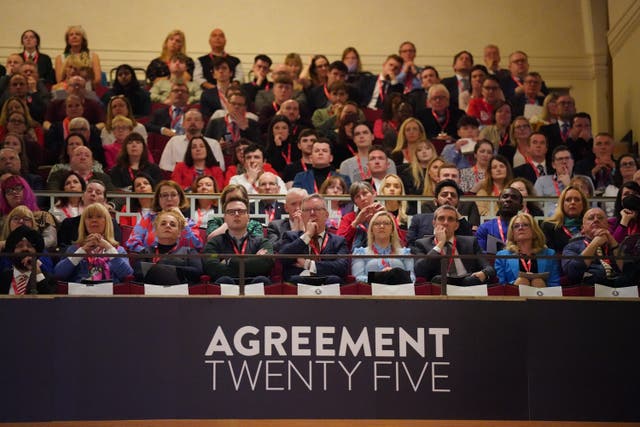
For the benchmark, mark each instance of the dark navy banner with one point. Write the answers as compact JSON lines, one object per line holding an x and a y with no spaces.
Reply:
{"x":205,"y":358}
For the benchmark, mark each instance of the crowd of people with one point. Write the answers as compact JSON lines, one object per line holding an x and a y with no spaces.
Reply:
{"x":297,"y":135}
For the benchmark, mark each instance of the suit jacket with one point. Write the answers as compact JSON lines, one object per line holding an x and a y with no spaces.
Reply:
{"x":161,"y":119}
{"x":210,"y":102}
{"x":509,"y":268}
{"x":519,"y":101}
{"x":418,"y":100}
{"x":68,"y":232}
{"x":465,"y":245}
{"x":422,"y":226}
{"x":336,"y":245}
{"x":575,"y":268}
{"x":217,"y":129}
{"x":431,"y":125}
{"x":509,"y":87}
{"x":206,"y":62}
{"x":45,"y":286}
{"x":526,"y":171}
{"x":554,"y":138}
{"x":276,"y":230}
{"x":468,"y":209}
{"x":367,"y":85}
{"x":451,"y":83}
{"x":279,"y":209}
{"x":216,"y":266}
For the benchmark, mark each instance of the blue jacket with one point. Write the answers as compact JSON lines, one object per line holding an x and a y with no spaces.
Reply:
{"x":509,"y":268}
{"x":67,"y":271}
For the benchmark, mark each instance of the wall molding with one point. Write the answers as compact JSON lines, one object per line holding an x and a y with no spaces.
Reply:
{"x":624,"y":28}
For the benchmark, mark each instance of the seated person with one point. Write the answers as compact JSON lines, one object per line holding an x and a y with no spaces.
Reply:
{"x":315,"y":240}
{"x":374,"y":89}
{"x":509,"y":204}
{"x":277,"y":227}
{"x":260,"y":70}
{"x":95,"y":192}
{"x":357,"y":167}
{"x":321,"y":157}
{"x":566,"y":222}
{"x":161,"y":89}
{"x":72,"y":141}
{"x":468,"y":134}
{"x":170,"y":121}
{"x":22,"y":215}
{"x":268,"y":205}
{"x":306,"y":138}
{"x":383,"y":240}
{"x":81,"y":162}
{"x":168,"y":195}
{"x":217,"y":226}
{"x":168,"y":227}
{"x":627,"y":207}
{"x":126,"y":84}
{"x":354,"y":225}
{"x":598,"y":247}
{"x":95,"y":237}
{"x":14,"y":279}
{"x":447,"y":193}
{"x":198,"y":160}
{"x":444,"y":242}
{"x":133,"y":158}
{"x":525,"y":238}
{"x":338,"y":95}
{"x":237,"y":240}
{"x":214,"y":98}
{"x":254,"y":166}
{"x":69,"y":206}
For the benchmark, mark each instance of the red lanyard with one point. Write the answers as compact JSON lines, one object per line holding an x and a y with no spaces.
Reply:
{"x":200,"y":216}
{"x":535,"y":169}
{"x":351,"y":150}
{"x":315,"y":184}
{"x":380,"y":90}
{"x":453,"y":251}
{"x":504,"y":139}
{"x":567,"y":232}
{"x":446,"y":123}
{"x":326,"y":91}
{"x":275,"y":106}
{"x":304,"y":165}
{"x":363,"y":175}
{"x":496,"y":190}
{"x":243,"y":249}
{"x":313,"y":244}
{"x":157,"y":258}
{"x":223,"y":99}
{"x":176,"y":120}
{"x":555,"y":184}
{"x":234,"y":131}
{"x":66,"y":211}
{"x":517,"y":81}
{"x":500,"y":229}
{"x":287,"y":158}
{"x":383,"y":261}
{"x":271,"y":212}
{"x":131,"y":175}
{"x":526,"y":265}
{"x":476,"y":174}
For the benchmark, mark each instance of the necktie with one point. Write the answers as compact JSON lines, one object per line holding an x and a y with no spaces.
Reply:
{"x":21,"y":284}
{"x":565,"y":130}
{"x":176,"y":124}
{"x":606,"y":263}
{"x":451,"y":270}
{"x":540,"y":170}
{"x":31,"y":57}
{"x":465,"y":84}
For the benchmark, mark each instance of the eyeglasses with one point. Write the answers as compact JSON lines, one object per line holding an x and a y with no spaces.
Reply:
{"x":21,"y":219}
{"x":522,"y":225}
{"x":15,"y":190}
{"x":627,"y":164}
{"x":438,"y":98}
{"x":169,"y":195}
{"x":523,"y":127}
{"x":314,"y":209}
{"x":234,"y":212}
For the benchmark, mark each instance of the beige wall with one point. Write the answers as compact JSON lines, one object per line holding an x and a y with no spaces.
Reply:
{"x":624,"y":43}
{"x":564,"y":39}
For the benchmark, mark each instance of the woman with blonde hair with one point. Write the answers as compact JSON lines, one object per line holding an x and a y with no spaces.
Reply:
{"x":383,"y":239}
{"x":391,"y":185}
{"x":77,"y":45}
{"x":526,"y":239}
{"x":175,"y":42}
{"x":96,"y":238}
{"x":293,"y":62}
{"x":549,"y":113}
{"x":519,"y":133}
{"x":411,"y":132}
{"x":119,"y":105}
{"x":498,"y":174}
{"x":566,"y":221}
{"x":19,"y":216}
{"x":432,"y":177}
{"x":413,"y":176}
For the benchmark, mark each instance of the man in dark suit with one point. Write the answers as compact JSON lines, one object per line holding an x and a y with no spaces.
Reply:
{"x":315,"y":240}
{"x":536,"y":165}
{"x":95,"y":192}
{"x":268,"y":205}
{"x":292,"y":205}
{"x":374,"y":89}
{"x":261,"y":69}
{"x":318,"y":96}
{"x":513,"y":82}
{"x":419,"y":96}
{"x":440,"y":121}
{"x":234,"y":125}
{"x":18,"y":279}
{"x":557,"y":133}
{"x":461,"y":81}
{"x":474,"y":271}
{"x":168,"y":121}
{"x":531,"y":95}
{"x":447,"y":193}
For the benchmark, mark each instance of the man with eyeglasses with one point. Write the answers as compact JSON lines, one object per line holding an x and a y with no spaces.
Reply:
{"x":176,"y":147}
{"x":223,"y":268}
{"x":558,"y":133}
{"x":95,"y":192}
{"x":460,"y":82}
{"x":513,"y":83}
{"x":10,"y":164}
{"x":468,"y":271}
{"x":292,"y":205}
{"x":268,"y":186}
{"x":509,"y":204}
{"x":169,"y":121}
{"x":595,"y":241}
{"x":552,"y":185}
{"x":375,"y":89}
{"x":441,"y":118}
{"x":409,"y":74}
{"x":529,"y":102}
{"x":313,"y":241}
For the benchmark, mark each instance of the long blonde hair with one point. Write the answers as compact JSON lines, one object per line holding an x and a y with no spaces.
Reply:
{"x":402,"y":208}
{"x":165,"y":56}
{"x":429,"y":186}
{"x":538,"y":241}
{"x":93,"y":209}
{"x":395,"y":238}
{"x":417,"y":173}
{"x":21,"y":210}
{"x":401,"y":142}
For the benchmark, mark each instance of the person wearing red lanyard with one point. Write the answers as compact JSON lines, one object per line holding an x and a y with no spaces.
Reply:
{"x":440,"y":120}
{"x":168,"y":227}
{"x":356,"y":167}
{"x":320,"y":170}
{"x":277,"y":227}
{"x":319,"y":97}
{"x":509,"y":204}
{"x":459,"y":84}
{"x":169,"y":121}
{"x":280,"y":149}
{"x":444,"y":242}
{"x":536,"y":162}
{"x":282,"y":91}
{"x":513,"y":83}
{"x":337,"y":95}
{"x":223,"y":266}
{"x":526,"y":239}
{"x":260,"y":70}
{"x":531,"y":96}
{"x":566,"y":221}
{"x":353,"y":226}
{"x":383,"y":240}
{"x":268,"y":205}
{"x":374,"y":89}
{"x":15,"y":279}
{"x":305,"y":144}
{"x":254,"y":166}
{"x":315,"y":240}
{"x":596,"y":241}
